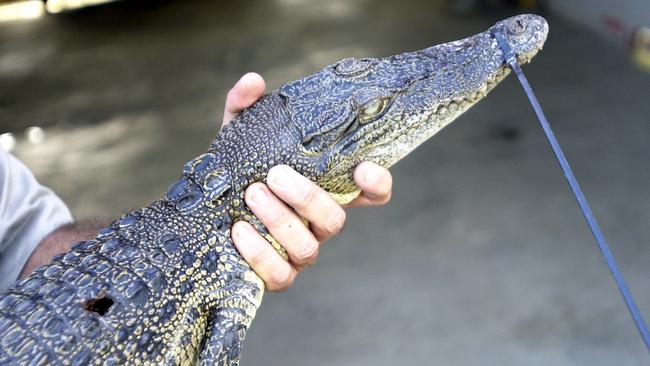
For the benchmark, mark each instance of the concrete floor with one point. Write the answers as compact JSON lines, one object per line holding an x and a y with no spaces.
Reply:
{"x":481,"y":258}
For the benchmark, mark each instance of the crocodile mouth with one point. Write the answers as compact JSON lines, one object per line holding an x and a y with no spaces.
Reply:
{"x":451,"y":78}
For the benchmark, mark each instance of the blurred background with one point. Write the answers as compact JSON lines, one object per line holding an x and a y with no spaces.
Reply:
{"x":481,"y":257}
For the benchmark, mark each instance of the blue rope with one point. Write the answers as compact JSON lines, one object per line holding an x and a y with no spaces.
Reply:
{"x":511,"y":59}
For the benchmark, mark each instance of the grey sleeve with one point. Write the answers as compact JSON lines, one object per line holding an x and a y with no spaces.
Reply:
{"x":28,"y":213}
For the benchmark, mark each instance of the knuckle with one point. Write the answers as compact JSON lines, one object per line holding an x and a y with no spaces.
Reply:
{"x":278,"y":218}
{"x":308,"y":196}
{"x":336,"y":223}
{"x":257,"y":254}
{"x":281,"y":278}
{"x":308,"y":253}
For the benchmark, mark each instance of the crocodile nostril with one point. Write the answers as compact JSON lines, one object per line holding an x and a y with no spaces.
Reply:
{"x":516,"y":28}
{"x":521,"y":27}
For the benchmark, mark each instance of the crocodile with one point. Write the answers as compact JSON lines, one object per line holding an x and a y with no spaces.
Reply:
{"x":165,"y":285}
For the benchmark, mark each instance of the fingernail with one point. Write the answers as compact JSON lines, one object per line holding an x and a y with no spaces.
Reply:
{"x":371,"y":176}
{"x":245,"y":236}
{"x":282,"y":179}
{"x":258,"y":196}
{"x":238,"y":231}
{"x":241,"y":80}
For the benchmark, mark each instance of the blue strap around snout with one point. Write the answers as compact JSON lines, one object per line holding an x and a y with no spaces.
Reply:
{"x":511,"y":60}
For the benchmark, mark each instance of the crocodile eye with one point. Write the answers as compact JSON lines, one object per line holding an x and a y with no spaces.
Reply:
{"x":372,"y":109}
{"x":352,"y":67}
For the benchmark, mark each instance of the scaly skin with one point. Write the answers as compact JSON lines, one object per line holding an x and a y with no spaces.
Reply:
{"x":165,"y":284}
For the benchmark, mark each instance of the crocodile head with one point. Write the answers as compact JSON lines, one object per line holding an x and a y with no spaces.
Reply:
{"x":381,"y":109}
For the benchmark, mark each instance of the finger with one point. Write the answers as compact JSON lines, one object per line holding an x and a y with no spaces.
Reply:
{"x":243,"y":94}
{"x":326,"y":217}
{"x":375,"y":183}
{"x":284,"y":224}
{"x":276,"y":273}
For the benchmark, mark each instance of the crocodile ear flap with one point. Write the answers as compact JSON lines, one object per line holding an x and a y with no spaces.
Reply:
{"x":321,"y":120}
{"x":322,"y":126}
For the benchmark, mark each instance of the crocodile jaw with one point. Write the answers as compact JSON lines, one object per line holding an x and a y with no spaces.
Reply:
{"x":446,"y":80}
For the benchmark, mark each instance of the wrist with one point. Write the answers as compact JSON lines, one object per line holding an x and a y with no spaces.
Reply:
{"x":57,"y":242}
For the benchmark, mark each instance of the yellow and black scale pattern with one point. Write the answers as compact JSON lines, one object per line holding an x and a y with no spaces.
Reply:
{"x":164,"y":285}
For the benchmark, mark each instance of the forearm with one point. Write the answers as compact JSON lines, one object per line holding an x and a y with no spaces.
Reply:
{"x":59,"y":241}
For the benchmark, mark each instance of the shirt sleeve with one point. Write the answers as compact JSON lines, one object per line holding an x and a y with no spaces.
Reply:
{"x":28,"y":213}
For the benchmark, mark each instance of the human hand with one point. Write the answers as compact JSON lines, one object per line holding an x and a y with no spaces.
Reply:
{"x":286,"y":198}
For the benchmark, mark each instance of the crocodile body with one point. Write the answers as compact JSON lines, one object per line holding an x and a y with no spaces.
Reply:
{"x":165,"y":285}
